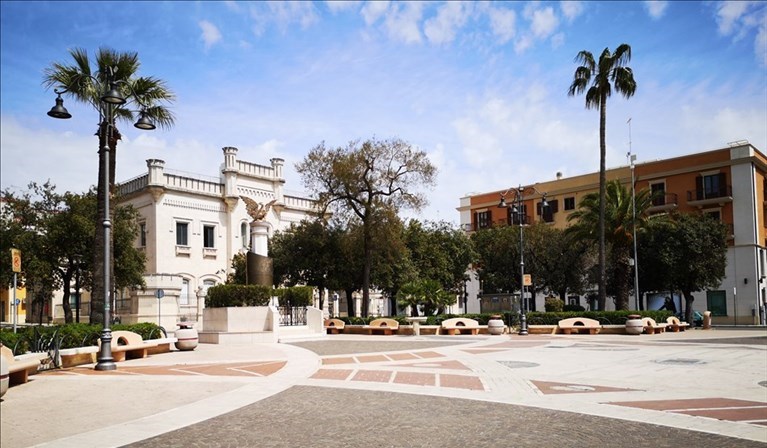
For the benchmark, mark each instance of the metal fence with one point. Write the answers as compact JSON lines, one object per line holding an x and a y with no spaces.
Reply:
{"x":292,"y":316}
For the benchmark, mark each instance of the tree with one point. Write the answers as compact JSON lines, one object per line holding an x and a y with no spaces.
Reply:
{"x":238,"y":274}
{"x":55,"y":234}
{"x":656,"y":245}
{"x":497,"y":264}
{"x":558,"y":260}
{"x":426,"y":293}
{"x":362,"y":179}
{"x":610,"y":73}
{"x":304,"y":254}
{"x":619,"y":217}
{"x":86,"y":84}
{"x":699,"y":245}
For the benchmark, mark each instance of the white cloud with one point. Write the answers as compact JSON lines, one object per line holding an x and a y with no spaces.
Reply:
{"x":571,"y":9}
{"x":760,"y":43}
{"x":728,"y":13}
{"x":544,"y":22}
{"x":372,"y":11}
{"x":402,"y":22}
{"x":210,"y":33}
{"x":656,"y":8}
{"x":557,"y":40}
{"x":449,"y":19}
{"x":287,"y":13}
{"x":503,"y":23}
{"x":336,"y":6}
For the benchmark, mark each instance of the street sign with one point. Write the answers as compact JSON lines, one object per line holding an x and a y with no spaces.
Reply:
{"x":528,"y":280}
{"x":17,"y":302}
{"x":16,"y":260}
{"x":159,"y":294}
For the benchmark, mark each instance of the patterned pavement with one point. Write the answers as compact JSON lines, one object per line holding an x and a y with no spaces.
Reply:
{"x":661,"y":390}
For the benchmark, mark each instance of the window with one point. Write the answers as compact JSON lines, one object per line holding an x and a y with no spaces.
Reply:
{"x":142,"y":234}
{"x":570,"y":203}
{"x":658,"y":192}
{"x":711,"y":186}
{"x":483,"y":219}
{"x":716,"y":302}
{"x":244,"y":235}
{"x":183,"y":298}
{"x":208,"y":236}
{"x":182,"y":233}
{"x":207,"y":284}
{"x":514,"y":216}
{"x":713,"y":214}
{"x":547,"y":213}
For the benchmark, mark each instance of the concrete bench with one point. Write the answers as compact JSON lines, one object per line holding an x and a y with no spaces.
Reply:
{"x":578,"y":325}
{"x":675,"y":325}
{"x":161,"y":345}
{"x":652,"y":327}
{"x":334,"y":326}
{"x":19,"y":369}
{"x":384,"y":326}
{"x":460,"y":325}
{"x":128,"y":345}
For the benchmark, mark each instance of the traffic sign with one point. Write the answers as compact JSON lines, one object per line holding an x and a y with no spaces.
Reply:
{"x":528,"y":280}
{"x":159,"y":293}
{"x":16,"y":260}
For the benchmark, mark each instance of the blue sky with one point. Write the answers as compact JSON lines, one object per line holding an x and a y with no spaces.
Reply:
{"x":481,"y":86}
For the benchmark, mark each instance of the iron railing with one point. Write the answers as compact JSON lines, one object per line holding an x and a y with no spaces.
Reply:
{"x":292,"y":315}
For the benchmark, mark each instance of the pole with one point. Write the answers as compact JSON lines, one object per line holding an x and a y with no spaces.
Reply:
{"x":523,"y":304}
{"x":15,"y":307}
{"x":632,"y":158}
{"x":105,"y":360}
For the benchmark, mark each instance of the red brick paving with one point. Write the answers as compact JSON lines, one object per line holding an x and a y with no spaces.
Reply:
{"x":752,"y":412}
{"x":376,"y":376}
{"x":264,"y":368}
{"x":732,"y":414}
{"x":332,"y":374}
{"x":460,"y":382}
{"x":452,"y":365}
{"x":372,"y":358}
{"x":345,"y":360}
{"x":549,"y":388}
{"x":418,"y":379}
{"x":428,"y":354}
{"x":402,"y":356}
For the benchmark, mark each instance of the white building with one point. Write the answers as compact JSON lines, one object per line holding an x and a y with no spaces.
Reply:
{"x":191,"y":227}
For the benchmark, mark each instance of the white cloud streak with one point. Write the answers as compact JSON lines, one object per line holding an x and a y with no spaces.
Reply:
{"x":210,"y":34}
{"x":656,"y":8}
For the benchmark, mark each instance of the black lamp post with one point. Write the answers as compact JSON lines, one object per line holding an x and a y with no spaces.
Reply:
{"x":516,"y":209}
{"x":109,"y":101}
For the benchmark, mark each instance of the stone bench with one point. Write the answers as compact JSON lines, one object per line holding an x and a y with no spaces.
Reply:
{"x":460,"y":325}
{"x":652,"y":327}
{"x":578,"y":325}
{"x":19,"y":369}
{"x":675,"y":325}
{"x":384,"y":326}
{"x":334,"y":326}
{"x":129,"y":345}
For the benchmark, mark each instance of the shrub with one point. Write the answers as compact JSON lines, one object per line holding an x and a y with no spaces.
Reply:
{"x":572,"y":307}
{"x":296,"y":296}
{"x":227,"y":295}
{"x":604,"y":317}
{"x":553,"y":305}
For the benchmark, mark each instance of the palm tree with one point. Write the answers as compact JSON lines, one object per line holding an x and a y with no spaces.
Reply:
{"x":87,"y":84}
{"x":620,"y":219}
{"x":611,"y":68}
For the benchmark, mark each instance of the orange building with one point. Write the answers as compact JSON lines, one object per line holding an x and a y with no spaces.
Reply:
{"x":729,"y":183}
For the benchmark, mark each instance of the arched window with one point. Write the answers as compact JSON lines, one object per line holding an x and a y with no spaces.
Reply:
{"x":244,"y":235}
{"x":206,"y":284}
{"x":183,"y":299}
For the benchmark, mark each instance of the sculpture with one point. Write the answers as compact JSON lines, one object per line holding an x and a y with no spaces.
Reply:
{"x":255,"y":210}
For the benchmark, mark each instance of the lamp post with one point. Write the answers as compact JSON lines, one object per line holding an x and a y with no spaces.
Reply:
{"x":521,"y":217}
{"x":110,"y":100}
{"x":632,"y":159}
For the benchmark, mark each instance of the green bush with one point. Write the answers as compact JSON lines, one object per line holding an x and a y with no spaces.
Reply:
{"x":228,"y":295}
{"x":296,"y":296}
{"x":572,"y":307}
{"x":554,"y":305}
{"x":10,"y":339}
{"x":604,"y":317}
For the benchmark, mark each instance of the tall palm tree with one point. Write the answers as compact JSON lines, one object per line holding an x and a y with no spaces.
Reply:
{"x":620,"y":218}
{"x":86,"y":84}
{"x":601,"y":78}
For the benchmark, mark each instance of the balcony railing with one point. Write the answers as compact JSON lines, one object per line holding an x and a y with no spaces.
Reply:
{"x":703,"y":194}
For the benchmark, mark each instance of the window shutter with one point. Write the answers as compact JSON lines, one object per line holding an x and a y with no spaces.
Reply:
{"x":699,"y":188}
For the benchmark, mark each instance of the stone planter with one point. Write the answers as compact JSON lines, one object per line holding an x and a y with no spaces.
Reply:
{"x":186,"y":337}
{"x":495,"y":325}
{"x":634,"y":324}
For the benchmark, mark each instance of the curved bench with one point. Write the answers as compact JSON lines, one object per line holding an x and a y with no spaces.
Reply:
{"x":458,"y":325}
{"x":18,"y":370}
{"x":128,"y":345}
{"x":384,"y":326}
{"x":652,"y":327}
{"x":675,"y":325}
{"x":334,"y":326}
{"x":579,"y":324}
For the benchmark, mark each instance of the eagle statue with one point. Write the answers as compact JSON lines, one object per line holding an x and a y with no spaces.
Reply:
{"x":255,"y":210}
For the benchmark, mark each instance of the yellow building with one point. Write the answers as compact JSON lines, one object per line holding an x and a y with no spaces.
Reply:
{"x":729,"y":183}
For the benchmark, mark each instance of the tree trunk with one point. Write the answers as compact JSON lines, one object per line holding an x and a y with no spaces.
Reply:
{"x":688,"y":299}
{"x":622,"y":278}
{"x":602,"y":300}
{"x":65,"y":301}
{"x":367,"y":244}
{"x":351,"y":309}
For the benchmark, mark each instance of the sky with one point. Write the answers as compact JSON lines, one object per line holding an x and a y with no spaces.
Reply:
{"x":481,"y":87}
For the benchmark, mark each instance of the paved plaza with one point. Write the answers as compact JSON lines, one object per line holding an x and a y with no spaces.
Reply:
{"x":697,"y":388}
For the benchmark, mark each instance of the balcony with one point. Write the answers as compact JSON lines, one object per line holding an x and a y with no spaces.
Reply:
{"x":208,"y":252}
{"x":703,"y":197}
{"x":183,"y":251}
{"x":664,"y":203}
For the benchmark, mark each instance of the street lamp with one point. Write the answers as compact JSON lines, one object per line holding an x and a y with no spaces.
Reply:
{"x":109,"y":101}
{"x":632,"y":159}
{"x":516,"y":209}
